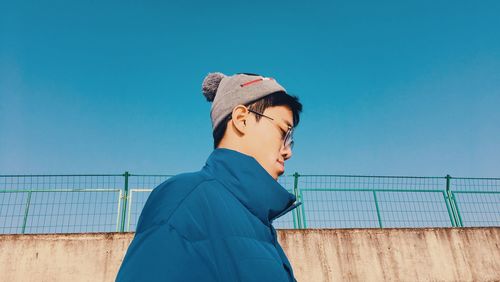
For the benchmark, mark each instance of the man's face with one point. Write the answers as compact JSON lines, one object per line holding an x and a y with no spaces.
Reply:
{"x":265,"y":139}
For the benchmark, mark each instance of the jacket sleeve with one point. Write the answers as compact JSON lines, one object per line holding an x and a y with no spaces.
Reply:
{"x":160,"y":253}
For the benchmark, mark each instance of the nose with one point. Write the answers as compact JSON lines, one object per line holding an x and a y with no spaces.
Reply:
{"x":286,"y":152}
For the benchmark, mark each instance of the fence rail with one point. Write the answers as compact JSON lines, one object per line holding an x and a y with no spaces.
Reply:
{"x":113,"y":202}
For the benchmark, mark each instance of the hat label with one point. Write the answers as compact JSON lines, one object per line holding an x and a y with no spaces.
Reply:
{"x":256,"y":80}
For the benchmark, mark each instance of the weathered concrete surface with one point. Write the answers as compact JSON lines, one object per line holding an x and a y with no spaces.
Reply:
{"x":438,"y":254}
{"x":62,"y":257}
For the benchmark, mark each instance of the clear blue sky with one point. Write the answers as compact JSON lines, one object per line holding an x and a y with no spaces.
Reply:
{"x":388,"y":88}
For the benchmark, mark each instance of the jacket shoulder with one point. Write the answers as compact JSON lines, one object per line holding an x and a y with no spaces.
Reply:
{"x":213,"y":212}
{"x":168,"y":196}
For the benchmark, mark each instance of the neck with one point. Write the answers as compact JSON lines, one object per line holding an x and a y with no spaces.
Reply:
{"x":232,"y":145}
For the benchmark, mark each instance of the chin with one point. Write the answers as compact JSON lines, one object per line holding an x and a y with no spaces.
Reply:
{"x":279,"y":174}
{"x":274,"y":175}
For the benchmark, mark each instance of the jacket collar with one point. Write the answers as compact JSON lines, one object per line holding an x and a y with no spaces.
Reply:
{"x":251,"y":184}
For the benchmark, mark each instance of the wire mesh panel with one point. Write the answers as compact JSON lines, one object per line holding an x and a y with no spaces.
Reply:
{"x":477,"y":200}
{"x":73,"y":211}
{"x":413,"y":209}
{"x":344,"y":182}
{"x":345,"y":201}
{"x":478,"y":209}
{"x":12,"y":211}
{"x":59,"y":203}
{"x":475,"y":184}
{"x":333,"y":208}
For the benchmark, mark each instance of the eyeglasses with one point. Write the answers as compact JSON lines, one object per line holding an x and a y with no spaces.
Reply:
{"x":287,"y":138}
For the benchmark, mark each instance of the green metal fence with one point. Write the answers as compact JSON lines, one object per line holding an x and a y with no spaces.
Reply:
{"x":113,"y":202}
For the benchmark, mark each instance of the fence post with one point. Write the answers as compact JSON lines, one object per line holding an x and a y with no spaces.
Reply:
{"x":26,"y":211}
{"x":448,"y":197}
{"x":453,"y":203}
{"x":124,"y":202}
{"x":299,"y":198}
{"x":378,"y":210}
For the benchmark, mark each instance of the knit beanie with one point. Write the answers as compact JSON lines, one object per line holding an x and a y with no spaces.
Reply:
{"x":226,"y":92}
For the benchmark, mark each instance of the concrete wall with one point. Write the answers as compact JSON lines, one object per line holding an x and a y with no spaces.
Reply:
{"x":439,"y":254}
{"x":442,"y":254}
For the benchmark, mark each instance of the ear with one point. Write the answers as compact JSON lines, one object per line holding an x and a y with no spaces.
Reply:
{"x":239,"y":118}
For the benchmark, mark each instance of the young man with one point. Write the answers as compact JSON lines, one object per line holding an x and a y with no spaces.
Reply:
{"x":216,"y":224}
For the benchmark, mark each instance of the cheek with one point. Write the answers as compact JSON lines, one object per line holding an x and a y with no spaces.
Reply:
{"x":270,"y":145}
{"x":267,"y":145}
{"x":271,"y":150}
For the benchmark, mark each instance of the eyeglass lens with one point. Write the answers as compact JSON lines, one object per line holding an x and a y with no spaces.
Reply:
{"x":289,"y":138}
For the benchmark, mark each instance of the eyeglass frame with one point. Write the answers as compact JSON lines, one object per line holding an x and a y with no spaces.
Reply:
{"x":288,"y":134}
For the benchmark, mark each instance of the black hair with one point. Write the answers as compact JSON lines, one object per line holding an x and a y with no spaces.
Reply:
{"x":272,"y":100}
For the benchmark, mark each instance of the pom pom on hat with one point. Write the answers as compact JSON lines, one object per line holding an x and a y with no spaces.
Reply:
{"x":210,"y":85}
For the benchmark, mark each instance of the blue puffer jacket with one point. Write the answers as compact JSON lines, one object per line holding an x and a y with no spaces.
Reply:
{"x":212,"y":225}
